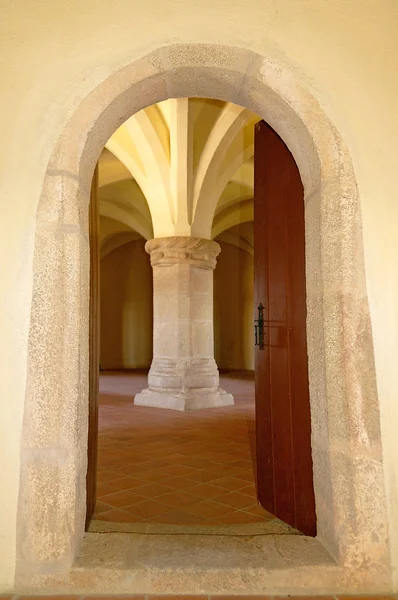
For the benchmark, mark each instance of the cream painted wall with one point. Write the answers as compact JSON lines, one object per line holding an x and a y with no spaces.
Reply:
{"x":233,"y":309}
{"x":126,"y":308}
{"x":53,"y":55}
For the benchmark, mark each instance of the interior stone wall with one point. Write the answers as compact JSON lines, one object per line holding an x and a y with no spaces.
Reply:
{"x":348,"y":472}
{"x":233,"y":308}
{"x":126,"y":303}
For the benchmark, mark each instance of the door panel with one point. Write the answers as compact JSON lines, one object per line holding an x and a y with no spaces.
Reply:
{"x":283,"y":424}
{"x":91,"y":480}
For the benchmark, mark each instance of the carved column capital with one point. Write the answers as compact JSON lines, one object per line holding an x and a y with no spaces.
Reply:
{"x":180,"y":249}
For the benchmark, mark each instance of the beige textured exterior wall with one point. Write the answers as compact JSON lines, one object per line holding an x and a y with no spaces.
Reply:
{"x":126,"y":308}
{"x":233,"y":309}
{"x":344,"y":53}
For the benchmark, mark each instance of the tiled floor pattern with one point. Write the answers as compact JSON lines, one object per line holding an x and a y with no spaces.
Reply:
{"x":169,"y":467}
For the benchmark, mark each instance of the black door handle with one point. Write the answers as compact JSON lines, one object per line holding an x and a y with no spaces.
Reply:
{"x":259,"y":328}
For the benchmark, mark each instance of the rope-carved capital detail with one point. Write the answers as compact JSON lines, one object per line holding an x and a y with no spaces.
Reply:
{"x":180,"y":249}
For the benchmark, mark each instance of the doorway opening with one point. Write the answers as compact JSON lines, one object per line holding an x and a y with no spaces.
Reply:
{"x":186,"y":166}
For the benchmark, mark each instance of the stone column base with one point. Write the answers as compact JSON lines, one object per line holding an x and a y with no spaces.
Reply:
{"x":185,"y":399}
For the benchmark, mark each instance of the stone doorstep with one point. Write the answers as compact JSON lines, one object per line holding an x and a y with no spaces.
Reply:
{"x":198,"y":597}
{"x":123,"y":563}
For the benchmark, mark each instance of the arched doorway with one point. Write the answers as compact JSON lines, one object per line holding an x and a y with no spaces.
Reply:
{"x":351,"y":523}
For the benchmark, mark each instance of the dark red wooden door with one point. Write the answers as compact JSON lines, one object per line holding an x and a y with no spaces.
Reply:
{"x":283,"y":423}
{"x":91,"y":479}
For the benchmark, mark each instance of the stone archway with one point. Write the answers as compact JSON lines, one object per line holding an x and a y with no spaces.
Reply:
{"x":348,"y":473}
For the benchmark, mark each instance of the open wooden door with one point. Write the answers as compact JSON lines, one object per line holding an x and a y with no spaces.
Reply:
{"x":91,"y":480}
{"x":283,"y":422}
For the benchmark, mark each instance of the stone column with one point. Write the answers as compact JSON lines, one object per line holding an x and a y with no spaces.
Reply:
{"x":183,"y":374}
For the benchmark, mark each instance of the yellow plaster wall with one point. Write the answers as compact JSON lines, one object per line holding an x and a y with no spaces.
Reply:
{"x":126,"y":308}
{"x":54,"y":54}
{"x":233,"y":309}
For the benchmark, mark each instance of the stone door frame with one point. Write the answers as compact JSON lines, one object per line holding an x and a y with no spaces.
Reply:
{"x":346,"y":444}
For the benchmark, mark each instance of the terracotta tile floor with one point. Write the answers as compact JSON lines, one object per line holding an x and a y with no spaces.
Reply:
{"x":164,"y":466}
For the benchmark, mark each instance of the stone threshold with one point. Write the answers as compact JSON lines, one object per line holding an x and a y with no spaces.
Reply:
{"x":199,"y":597}
{"x":270,"y":564}
{"x":273,"y":526}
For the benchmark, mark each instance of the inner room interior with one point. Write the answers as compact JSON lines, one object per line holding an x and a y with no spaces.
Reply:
{"x":155,"y":465}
